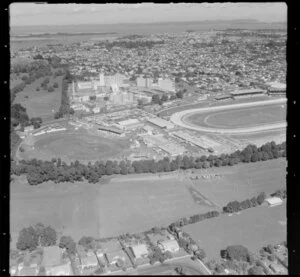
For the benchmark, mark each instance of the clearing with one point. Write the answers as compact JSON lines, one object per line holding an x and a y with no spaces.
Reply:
{"x":252,"y":228}
{"x":242,"y":181}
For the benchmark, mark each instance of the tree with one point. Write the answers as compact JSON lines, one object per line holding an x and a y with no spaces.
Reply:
{"x":253,"y":201}
{"x":48,"y":236}
{"x":261,"y":198}
{"x":86,"y":242}
{"x":36,"y":122}
{"x":68,"y":243}
{"x":236,"y":252}
{"x":155,"y":99}
{"x":50,"y":89}
{"x":256,"y":270}
{"x":164,"y":98}
{"x":28,"y":239}
{"x":179,"y":94}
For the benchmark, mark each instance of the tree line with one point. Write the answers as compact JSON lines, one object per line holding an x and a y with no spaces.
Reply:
{"x":65,"y":108}
{"x":39,"y":171}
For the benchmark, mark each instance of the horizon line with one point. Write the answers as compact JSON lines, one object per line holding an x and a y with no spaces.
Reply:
{"x":160,"y":22}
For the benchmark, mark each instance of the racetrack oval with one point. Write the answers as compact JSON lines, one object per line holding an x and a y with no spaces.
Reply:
{"x":239,"y":118}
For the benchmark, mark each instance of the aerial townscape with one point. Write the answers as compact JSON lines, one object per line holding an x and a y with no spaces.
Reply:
{"x":148,"y":149}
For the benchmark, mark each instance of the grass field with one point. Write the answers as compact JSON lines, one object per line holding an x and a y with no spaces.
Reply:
{"x":40,"y":103}
{"x":243,"y":181}
{"x":252,"y":228}
{"x":245,"y":117}
{"x":74,"y":145}
{"x":134,"y":203}
{"x":137,"y":205}
{"x":101,"y":210}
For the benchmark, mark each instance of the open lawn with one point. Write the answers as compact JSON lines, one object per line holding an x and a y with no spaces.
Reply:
{"x":70,"y":208}
{"x":83,"y":209}
{"x":252,"y":228}
{"x":40,"y":103}
{"x":236,"y":118}
{"x":71,"y":145}
{"x":242,"y":181}
{"x":137,"y":205}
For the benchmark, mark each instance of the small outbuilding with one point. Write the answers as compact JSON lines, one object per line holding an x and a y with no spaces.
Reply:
{"x":274,"y":201}
{"x":169,"y":245}
{"x":139,"y":250}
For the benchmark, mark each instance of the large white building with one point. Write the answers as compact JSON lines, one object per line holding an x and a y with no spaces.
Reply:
{"x":166,"y":84}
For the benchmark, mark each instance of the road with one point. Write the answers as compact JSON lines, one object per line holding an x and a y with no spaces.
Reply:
{"x":194,"y":267}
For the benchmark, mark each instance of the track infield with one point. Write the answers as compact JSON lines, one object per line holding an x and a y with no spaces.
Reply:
{"x":239,"y":118}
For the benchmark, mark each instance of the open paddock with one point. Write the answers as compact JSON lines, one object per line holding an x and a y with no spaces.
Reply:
{"x":138,"y":205}
{"x":40,"y":103}
{"x":242,"y":181}
{"x":252,"y":228}
{"x":101,"y":210}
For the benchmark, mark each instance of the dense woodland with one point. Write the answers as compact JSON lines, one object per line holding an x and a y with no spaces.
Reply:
{"x":38,"y":171}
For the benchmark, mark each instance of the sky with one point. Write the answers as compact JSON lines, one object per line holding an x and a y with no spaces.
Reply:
{"x":32,"y":14}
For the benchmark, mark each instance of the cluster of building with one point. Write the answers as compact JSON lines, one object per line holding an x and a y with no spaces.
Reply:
{"x":107,"y":256}
{"x":116,"y":90}
{"x":274,"y":89}
{"x":211,"y":60}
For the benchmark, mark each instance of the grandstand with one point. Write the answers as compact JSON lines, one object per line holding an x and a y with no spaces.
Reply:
{"x":247,"y":93}
{"x":201,"y":142}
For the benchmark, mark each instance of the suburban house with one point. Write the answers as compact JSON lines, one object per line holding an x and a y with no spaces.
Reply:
{"x":274,"y":201}
{"x":89,"y":260}
{"x":115,"y":256}
{"x":139,"y":250}
{"x":60,"y":270}
{"x":52,"y":256}
{"x":28,"y":271}
{"x":169,"y":245}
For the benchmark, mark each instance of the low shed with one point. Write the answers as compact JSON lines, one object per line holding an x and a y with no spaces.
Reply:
{"x":274,"y":201}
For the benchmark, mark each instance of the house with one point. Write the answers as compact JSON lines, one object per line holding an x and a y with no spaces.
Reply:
{"x":139,"y":250}
{"x":90,"y":260}
{"x":115,"y":256}
{"x":13,"y":270}
{"x":169,"y":245}
{"x":276,"y":268}
{"x":52,"y":256}
{"x":28,"y":271}
{"x":60,"y":270}
{"x":273,"y":201}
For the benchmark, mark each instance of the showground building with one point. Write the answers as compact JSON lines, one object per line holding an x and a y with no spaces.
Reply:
{"x":246,"y":93}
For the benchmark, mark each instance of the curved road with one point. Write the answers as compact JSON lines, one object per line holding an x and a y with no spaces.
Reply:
{"x":177,"y":118}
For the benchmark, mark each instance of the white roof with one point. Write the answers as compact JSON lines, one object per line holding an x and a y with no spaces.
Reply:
{"x":274,"y":200}
{"x":161,"y":122}
{"x":129,"y":122}
{"x":139,"y":249}
{"x":246,"y":91}
{"x":277,"y":85}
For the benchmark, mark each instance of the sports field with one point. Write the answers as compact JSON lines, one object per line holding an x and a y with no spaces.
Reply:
{"x":242,"y":181}
{"x":246,"y":117}
{"x":71,"y":145}
{"x":252,"y":228}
